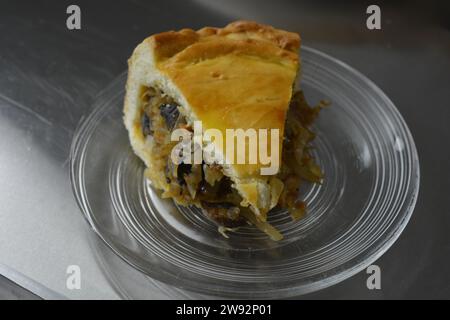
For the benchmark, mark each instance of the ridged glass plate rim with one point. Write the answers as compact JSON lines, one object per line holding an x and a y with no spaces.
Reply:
{"x":81,"y":139}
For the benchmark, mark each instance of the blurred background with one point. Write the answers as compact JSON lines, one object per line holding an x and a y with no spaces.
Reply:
{"x":49,"y":77}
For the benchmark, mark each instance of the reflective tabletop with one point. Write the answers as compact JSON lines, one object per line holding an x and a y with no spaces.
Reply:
{"x":50,"y":76}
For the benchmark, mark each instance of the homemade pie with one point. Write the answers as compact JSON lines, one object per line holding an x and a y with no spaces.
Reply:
{"x":241,"y":76}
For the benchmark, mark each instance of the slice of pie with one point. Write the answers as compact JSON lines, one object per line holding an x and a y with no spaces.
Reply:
{"x":238,"y":77}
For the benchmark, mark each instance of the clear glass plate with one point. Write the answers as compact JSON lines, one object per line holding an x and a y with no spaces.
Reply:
{"x":369,"y":192}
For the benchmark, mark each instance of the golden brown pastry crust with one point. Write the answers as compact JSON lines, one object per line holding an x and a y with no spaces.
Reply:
{"x":239,"y":76}
{"x":167,"y":44}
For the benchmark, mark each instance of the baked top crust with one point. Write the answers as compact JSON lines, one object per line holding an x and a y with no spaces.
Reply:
{"x":168,"y":44}
{"x":239,"y":76}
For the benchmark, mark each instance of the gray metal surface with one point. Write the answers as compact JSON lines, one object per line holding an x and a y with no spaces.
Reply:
{"x":49,"y":77}
{"x":11,"y":291}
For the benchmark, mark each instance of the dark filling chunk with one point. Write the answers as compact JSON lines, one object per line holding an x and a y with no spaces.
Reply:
{"x":170,"y":113}
{"x":158,"y":110}
{"x":183,"y":169}
{"x":146,"y":125}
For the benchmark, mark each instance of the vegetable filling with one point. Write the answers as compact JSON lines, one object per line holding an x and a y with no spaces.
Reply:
{"x":204,"y":185}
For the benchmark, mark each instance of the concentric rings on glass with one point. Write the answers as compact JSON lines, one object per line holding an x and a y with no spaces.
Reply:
{"x":368,"y":195}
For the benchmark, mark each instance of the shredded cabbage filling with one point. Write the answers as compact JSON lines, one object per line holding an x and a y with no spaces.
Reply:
{"x":205,"y":185}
